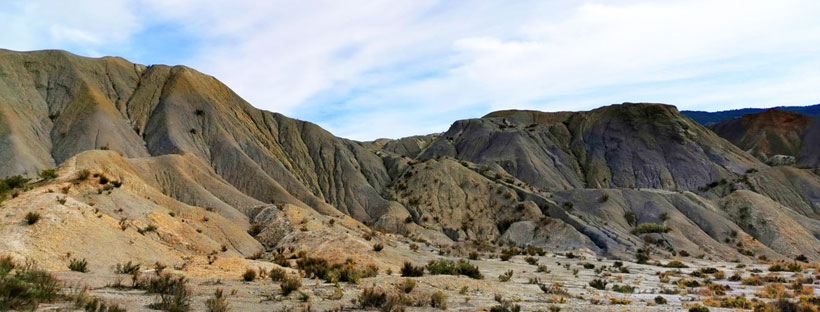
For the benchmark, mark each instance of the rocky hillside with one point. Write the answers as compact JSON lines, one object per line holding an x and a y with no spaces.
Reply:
{"x":204,"y":169}
{"x":767,"y":134}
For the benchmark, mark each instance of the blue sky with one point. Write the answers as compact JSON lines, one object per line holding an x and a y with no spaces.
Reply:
{"x":371,"y":69}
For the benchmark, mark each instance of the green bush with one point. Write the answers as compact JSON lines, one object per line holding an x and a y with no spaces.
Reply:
{"x":675,"y":264}
{"x":48,"y":174}
{"x":448,"y":267}
{"x":24,"y":288}
{"x":646,"y":228}
{"x":626,"y":289}
{"x":698,"y":308}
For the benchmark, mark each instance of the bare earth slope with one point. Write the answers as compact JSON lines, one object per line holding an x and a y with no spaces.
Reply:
{"x":563,"y":180}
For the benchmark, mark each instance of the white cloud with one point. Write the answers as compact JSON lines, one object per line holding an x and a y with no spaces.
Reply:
{"x":367,"y":69}
{"x":82,"y":26}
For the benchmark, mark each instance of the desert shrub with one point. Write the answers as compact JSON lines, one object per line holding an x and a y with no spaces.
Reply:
{"x":531,"y":260}
{"x":626,"y":289}
{"x":408,"y":270}
{"x":174,"y":294}
{"x":83,"y":174}
{"x":506,"y":276}
{"x":439,"y":300}
{"x":473,"y":255}
{"x":48,"y":174}
{"x":127,"y":268}
{"x":277,"y":274}
{"x":448,"y":267}
{"x":588,"y":266}
{"x":619,"y":301}
{"x":249,"y":275}
{"x":642,"y":257}
{"x":217,"y":303}
{"x":505,"y":257}
{"x":281,"y":260}
{"x":78,"y":265}
{"x":407,"y":285}
{"x":313,"y":267}
{"x":290,"y":284}
{"x":82,"y":300}
{"x":646,"y":228}
{"x":597,"y":283}
{"x":698,"y":308}
{"x":372,"y":298}
{"x":506,"y":306}
{"x":630,"y":218}
{"x":554,"y":289}
{"x":13,"y":182}
{"x":24,"y":288}
{"x":378,"y":247}
{"x":32,"y":218}
{"x":542,"y":269}
{"x":801,"y":258}
{"x":660,"y":300}
{"x":604,"y":198}
{"x":675,"y":264}
{"x":103,"y":180}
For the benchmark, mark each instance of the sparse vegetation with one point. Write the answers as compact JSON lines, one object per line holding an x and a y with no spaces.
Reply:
{"x":127,"y":268}
{"x":174,"y":294}
{"x":409,"y":270}
{"x":597,"y":283}
{"x":48,"y":174}
{"x":290,"y":284}
{"x":78,"y":265}
{"x":378,"y":247}
{"x":217,"y":303}
{"x":24,"y":287}
{"x":32,"y":218}
{"x":506,"y":276}
{"x":249,"y":275}
{"x":407,"y":285}
{"x":448,"y":267}
{"x":439,"y":300}
{"x":647,"y":228}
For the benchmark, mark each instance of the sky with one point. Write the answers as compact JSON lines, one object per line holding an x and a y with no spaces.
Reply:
{"x":388,"y":69}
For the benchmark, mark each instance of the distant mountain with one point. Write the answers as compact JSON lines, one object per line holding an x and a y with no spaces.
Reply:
{"x":708,"y":118}
{"x":766,"y":134}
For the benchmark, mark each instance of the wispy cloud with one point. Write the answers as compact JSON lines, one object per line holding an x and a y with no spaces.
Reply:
{"x":368,"y":69}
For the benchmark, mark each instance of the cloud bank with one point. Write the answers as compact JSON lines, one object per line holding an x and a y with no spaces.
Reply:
{"x":369,"y":69}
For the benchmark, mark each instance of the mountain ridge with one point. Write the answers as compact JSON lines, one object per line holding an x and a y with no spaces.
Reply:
{"x":507,"y":178}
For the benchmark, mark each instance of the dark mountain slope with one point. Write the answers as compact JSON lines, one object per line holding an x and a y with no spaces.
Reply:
{"x":629,"y":145}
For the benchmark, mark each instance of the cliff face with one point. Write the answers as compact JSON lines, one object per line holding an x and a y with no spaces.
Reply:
{"x":186,"y":144}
